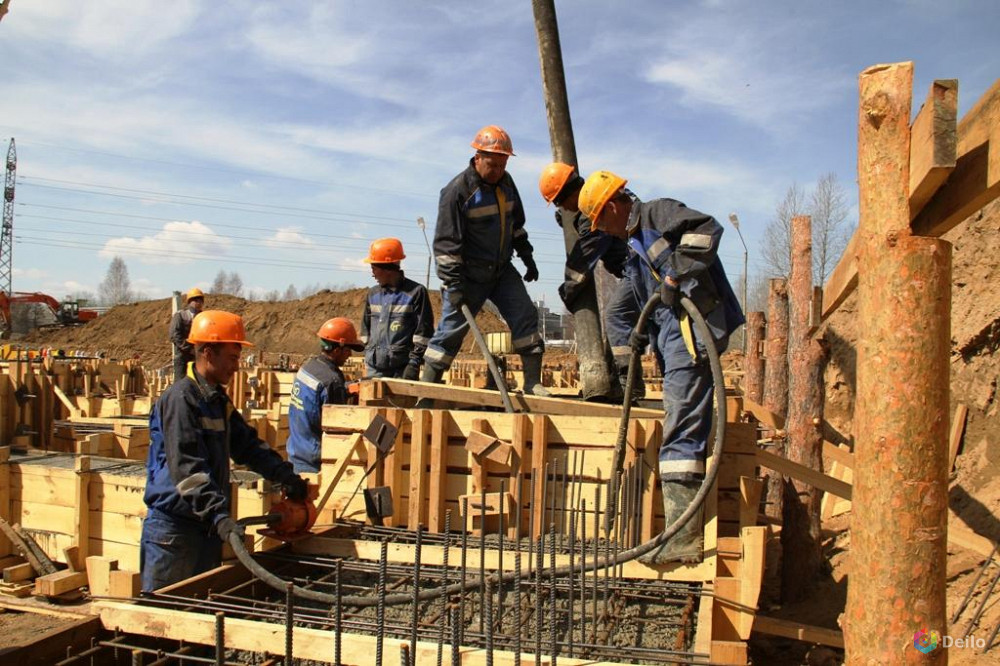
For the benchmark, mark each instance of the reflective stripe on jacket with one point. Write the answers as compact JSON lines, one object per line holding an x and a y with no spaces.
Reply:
{"x":318,"y":382}
{"x":397,"y":325}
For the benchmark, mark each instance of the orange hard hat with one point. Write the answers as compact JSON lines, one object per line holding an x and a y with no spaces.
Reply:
{"x":194,"y":293}
{"x":385,"y":251}
{"x":554,"y":178}
{"x":212,"y":326}
{"x":341,"y":331}
{"x":493,"y":139}
{"x":596,"y":192}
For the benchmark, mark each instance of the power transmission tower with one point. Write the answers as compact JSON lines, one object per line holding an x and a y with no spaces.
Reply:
{"x":7,"y":237}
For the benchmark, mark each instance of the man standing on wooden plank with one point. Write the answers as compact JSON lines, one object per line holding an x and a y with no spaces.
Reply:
{"x":675,"y":251}
{"x":398,"y":321}
{"x":480,"y":226}
{"x":180,"y":327}
{"x":319,"y":382}
{"x":194,"y":429}
{"x":560,"y":184}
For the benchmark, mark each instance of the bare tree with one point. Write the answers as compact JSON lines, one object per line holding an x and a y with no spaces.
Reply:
{"x":234,"y":285}
{"x":291,"y":293}
{"x":828,"y":207}
{"x":219,"y":283}
{"x":83,"y":297}
{"x":116,"y":287}
{"x":776,"y":247}
{"x":272,"y":296}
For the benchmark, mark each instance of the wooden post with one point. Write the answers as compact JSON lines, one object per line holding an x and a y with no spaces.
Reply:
{"x":6,"y":548}
{"x":82,"y":506}
{"x":419,"y":446}
{"x":800,"y":533}
{"x":753,"y":363}
{"x":596,"y":378}
{"x":776,"y":385}
{"x":899,"y":521}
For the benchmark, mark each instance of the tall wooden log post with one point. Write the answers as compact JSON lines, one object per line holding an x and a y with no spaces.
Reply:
{"x":596,"y":378}
{"x":896,"y":583}
{"x":776,"y":385}
{"x":753,"y":362}
{"x":800,"y":531}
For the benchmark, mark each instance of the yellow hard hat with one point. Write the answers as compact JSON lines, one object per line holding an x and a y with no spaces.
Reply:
{"x":194,"y":293}
{"x":596,"y":192}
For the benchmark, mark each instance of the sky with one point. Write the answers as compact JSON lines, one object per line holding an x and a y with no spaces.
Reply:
{"x":277,"y":140}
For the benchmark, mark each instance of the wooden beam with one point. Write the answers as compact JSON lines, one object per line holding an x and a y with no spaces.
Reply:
{"x":439,"y":471}
{"x":843,"y":280}
{"x":957,"y":430}
{"x":57,"y":583}
{"x":804,"y":474}
{"x":82,"y":506}
{"x":124,"y":584}
{"x":976,"y":179}
{"x":419,"y":453}
{"x":798,"y":631}
{"x":18,"y":573}
{"x":933,"y":143}
{"x":99,"y":574}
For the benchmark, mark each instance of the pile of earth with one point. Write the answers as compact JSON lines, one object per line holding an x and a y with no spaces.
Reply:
{"x":139,"y":330}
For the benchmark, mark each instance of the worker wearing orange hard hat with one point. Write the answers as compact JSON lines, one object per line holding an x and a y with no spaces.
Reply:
{"x":319,"y":382}
{"x":674,"y":251}
{"x":480,"y":227}
{"x":193,"y":431}
{"x":180,"y":327}
{"x":398,"y":321}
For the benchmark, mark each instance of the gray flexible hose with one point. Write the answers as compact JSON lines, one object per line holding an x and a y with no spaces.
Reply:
{"x":498,"y":579}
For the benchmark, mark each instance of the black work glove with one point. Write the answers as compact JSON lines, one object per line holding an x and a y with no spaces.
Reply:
{"x":455,"y":297}
{"x":296,"y":488}
{"x":228,"y":526}
{"x":411,"y":372}
{"x":638,"y":341}
{"x":670,"y":294}
{"x":531,"y":274}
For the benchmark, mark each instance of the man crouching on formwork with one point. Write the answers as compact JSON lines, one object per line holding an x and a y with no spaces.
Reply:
{"x":674,"y":251}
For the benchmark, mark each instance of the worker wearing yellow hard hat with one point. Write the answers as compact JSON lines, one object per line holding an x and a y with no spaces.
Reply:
{"x":194,"y":429}
{"x":180,"y":327}
{"x":398,"y":320}
{"x":674,"y":251}
{"x":480,"y":226}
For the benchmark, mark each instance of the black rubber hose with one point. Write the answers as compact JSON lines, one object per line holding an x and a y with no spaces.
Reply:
{"x":634,"y":361}
{"x":497,"y":579}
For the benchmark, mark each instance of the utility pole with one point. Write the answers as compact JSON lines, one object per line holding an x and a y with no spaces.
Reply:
{"x":430,"y":255}
{"x":746,"y":276}
{"x":595,"y":374}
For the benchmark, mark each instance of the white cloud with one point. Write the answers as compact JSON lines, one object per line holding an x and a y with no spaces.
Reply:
{"x":288,"y":238}
{"x":30,"y":273}
{"x":172,"y":245}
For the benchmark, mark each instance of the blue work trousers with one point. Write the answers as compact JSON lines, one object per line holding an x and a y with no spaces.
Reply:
{"x":508,"y":294}
{"x":687,"y":401}
{"x":172,"y":550}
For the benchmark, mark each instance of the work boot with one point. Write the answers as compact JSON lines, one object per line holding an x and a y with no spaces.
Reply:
{"x":686,"y":545}
{"x":531,"y":364}
{"x":429,"y":375}
{"x":638,"y":386}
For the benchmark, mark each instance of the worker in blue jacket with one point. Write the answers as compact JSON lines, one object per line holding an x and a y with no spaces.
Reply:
{"x":398,"y":321}
{"x":675,"y":252}
{"x":480,"y":226}
{"x":194,"y":429}
{"x":319,"y":382}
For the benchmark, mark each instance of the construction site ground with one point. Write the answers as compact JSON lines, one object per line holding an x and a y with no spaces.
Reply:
{"x":288,"y":327}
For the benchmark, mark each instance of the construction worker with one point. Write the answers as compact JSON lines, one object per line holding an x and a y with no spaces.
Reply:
{"x":194,"y":429}
{"x":675,"y":252}
{"x":398,"y":321}
{"x":180,"y":327}
{"x":480,"y":226}
{"x":319,"y":382}
{"x":560,"y":184}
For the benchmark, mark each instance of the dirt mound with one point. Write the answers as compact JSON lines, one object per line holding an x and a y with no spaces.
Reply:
{"x":289,"y":327}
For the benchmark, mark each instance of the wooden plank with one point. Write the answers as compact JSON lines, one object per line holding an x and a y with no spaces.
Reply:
{"x":520,"y":436}
{"x":750,"y":490}
{"x":805,"y":474}
{"x":355,"y":448}
{"x":843,"y":280}
{"x":124,"y":584}
{"x":18,"y":573}
{"x":6,"y":546}
{"x":933,"y":143}
{"x":82,"y":508}
{"x":773,"y":626}
{"x":975,"y":180}
{"x":539,"y":442}
{"x":652,"y":499}
{"x":99,"y":574}
{"x":752,"y":540}
{"x":419,"y":445}
{"x":439,"y":471}
{"x":957,"y":430}
{"x":394,"y":464}
{"x":54,"y":584}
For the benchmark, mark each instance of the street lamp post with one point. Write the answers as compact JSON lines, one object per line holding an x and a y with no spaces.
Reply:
{"x":423,"y":228}
{"x":746,"y":277}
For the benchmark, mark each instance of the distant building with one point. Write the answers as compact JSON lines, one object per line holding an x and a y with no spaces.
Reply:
{"x":550,"y":324}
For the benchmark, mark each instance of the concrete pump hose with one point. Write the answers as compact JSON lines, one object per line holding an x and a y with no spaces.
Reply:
{"x":711,"y":473}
